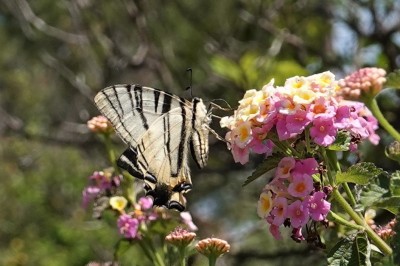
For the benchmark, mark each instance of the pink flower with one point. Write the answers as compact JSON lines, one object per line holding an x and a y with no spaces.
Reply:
{"x":89,"y":194}
{"x":323,"y":107}
{"x":187,"y":219}
{"x":342,"y":119}
{"x":128,"y":226}
{"x":274,"y":230}
{"x":259,"y":144}
{"x":295,"y":123}
{"x":307,"y":166}
{"x":318,"y":206}
{"x":301,"y":185}
{"x":240,"y":155}
{"x":146,"y":203}
{"x":323,"y":131}
{"x":282,"y":130}
{"x":284,"y":168}
{"x":279,"y":211}
{"x":298,"y":214}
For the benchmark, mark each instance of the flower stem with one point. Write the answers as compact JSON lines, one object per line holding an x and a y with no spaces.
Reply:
{"x":373,"y":106}
{"x":382,"y":245}
{"x":182,"y":254}
{"x":328,"y":166}
{"x":334,"y":165}
{"x":212,"y":260}
{"x":338,"y":219}
{"x":110,"y":152}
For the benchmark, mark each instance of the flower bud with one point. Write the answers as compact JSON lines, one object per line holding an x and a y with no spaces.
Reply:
{"x":180,"y":237}
{"x":100,"y":124}
{"x":212,"y":247}
{"x":393,"y":151}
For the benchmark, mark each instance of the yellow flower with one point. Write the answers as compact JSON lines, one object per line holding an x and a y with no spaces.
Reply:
{"x":265,"y":204}
{"x":242,"y":134}
{"x":304,"y":96}
{"x":118,"y":203}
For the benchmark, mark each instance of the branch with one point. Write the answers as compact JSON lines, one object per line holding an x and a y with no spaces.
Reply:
{"x":29,"y":16}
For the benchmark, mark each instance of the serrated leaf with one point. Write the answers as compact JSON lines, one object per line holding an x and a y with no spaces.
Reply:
{"x":391,"y":204}
{"x":360,"y":173}
{"x":342,"y":142}
{"x":395,"y":184}
{"x":340,"y":254}
{"x":370,"y":194}
{"x":393,"y":80}
{"x":361,"y":251}
{"x":351,"y":251}
{"x":267,"y":165}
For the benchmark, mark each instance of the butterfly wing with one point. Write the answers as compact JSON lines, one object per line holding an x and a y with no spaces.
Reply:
{"x":158,"y":128}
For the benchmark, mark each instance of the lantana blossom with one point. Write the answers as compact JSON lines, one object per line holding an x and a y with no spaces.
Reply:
{"x":303,"y":103}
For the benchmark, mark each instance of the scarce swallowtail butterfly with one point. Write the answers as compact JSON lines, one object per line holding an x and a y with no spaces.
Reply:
{"x":159,"y":128}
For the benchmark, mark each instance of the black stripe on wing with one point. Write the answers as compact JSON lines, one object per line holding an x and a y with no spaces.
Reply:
{"x":128,"y":162}
{"x":114,"y":109}
{"x":138,"y":91}
{"x":182,"y":143}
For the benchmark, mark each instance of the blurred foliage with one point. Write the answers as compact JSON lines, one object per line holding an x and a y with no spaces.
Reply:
{"x":55,"y":56}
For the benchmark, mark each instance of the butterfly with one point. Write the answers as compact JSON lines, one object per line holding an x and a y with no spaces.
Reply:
{"x":159,"y":129}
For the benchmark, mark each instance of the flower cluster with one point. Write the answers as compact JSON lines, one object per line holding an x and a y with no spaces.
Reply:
{"x":100,"y":182}
{"x":291,"y":197}
{"x":303,"y":105}
{"x":130,"y":221}
{"x":367,"y":81}
{"x":100,"y":124}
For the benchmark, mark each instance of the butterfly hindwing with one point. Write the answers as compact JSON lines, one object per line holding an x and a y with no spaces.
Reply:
{"x":158,"y":127}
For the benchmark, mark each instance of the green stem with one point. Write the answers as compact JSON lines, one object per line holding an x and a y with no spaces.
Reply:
{"x":282,"y":147}
{"x":373,"y":106}
{"x":182,"y":254}
{"x":328,"y":166}
{"x":110,"y":152}
{"x":338,"y":219}
{"x":385,"y":248}
{"x":334,"y":163}
{"x":212,"y":260}
{"x":146,"y":250}
{"x":349,"y":194}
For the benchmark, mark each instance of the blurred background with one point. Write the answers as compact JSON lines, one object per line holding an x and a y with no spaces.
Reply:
{"x":56,"y":55}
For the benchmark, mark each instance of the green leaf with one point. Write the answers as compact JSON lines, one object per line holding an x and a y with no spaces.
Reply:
{"x":360,"y":173}
{"x":351,"y":251}
{"x":393,"y":80}
{"x":361,"y":251}
{"x":267,"y":165}
{"x":370,"y":194}
{"x":391,"y":204}
{"x":395,"y":184}
{"x":342,"y":142}
{"x":121,"y":247}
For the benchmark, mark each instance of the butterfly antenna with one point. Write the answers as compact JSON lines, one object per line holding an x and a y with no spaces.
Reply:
{"x":214,"y":105}
{"x":190,"y":81}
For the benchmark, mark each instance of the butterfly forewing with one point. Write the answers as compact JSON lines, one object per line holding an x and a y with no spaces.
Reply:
{"x":158,"y":128}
